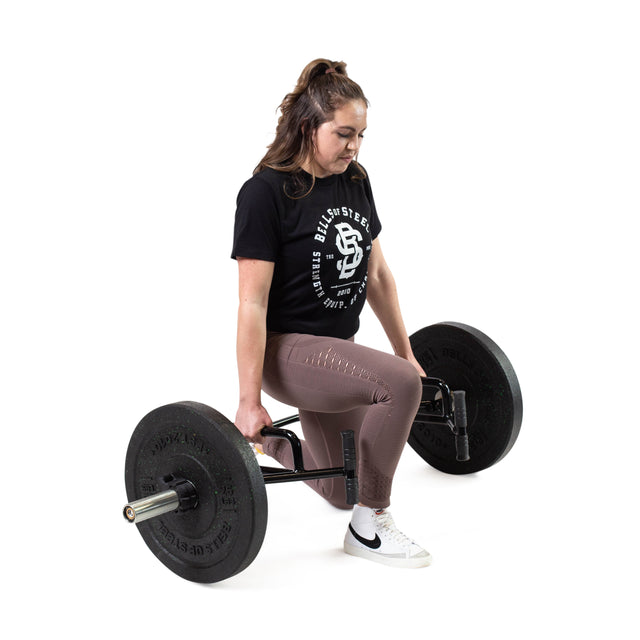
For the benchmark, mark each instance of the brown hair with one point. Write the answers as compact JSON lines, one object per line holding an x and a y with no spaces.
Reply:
{"x":322,"y":88}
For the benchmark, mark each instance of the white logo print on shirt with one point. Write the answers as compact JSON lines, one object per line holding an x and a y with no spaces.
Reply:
{"x":339,"y":265}
{"x":347,"y":240}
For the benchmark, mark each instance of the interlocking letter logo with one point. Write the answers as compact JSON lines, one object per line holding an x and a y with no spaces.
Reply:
{"x":347,"y":240}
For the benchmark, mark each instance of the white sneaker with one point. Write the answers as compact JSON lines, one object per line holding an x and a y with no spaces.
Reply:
{"x":373,"y":535}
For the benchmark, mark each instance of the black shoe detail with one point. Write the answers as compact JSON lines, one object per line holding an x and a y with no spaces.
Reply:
{"x":372,"y":544}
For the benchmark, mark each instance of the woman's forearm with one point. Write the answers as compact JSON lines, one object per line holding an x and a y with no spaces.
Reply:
{"x":250,"y":347}
{"x":382,"y":296}
{"x":253,"y":299}
{"x":254,"y":284}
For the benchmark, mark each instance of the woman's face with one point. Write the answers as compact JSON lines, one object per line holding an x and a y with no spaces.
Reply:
{"x":338,"y":141}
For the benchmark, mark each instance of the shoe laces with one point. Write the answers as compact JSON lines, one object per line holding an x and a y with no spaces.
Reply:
{"x":386,"y":523}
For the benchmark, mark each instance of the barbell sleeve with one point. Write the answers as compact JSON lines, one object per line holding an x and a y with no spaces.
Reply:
{"x":152,"y":506}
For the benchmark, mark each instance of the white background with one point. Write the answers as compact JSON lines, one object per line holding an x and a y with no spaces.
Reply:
{"x":503,"y":150}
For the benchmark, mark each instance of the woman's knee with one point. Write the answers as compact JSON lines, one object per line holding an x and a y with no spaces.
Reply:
{"x":404,"y":383}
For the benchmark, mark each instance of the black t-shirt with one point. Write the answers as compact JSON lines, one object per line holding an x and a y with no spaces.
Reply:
{"x":320,"y":244}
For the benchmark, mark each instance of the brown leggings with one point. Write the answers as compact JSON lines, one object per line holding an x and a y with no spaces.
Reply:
{"x":337,"y":385}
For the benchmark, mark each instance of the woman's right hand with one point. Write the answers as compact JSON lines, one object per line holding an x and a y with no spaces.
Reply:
{"x":250,"y":419}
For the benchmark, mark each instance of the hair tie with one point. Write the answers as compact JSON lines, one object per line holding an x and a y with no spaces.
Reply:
{"x":330,"y":70}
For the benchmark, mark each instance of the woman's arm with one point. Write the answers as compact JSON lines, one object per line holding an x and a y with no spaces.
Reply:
{"x":254,"y":284}
{"x":382,"y":296}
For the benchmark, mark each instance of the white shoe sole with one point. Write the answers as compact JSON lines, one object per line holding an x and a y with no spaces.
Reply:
{"x":422,"y":560}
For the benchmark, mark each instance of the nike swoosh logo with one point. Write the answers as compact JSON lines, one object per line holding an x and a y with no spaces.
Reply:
{"x":372,"y":544}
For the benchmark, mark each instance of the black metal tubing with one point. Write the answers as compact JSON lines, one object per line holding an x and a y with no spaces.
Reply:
{"x":292,"y":438}
{"x":442,"y":411}
{"x":272,"y":475}
{"x":286,"y":421}
{"x":436,"y":410}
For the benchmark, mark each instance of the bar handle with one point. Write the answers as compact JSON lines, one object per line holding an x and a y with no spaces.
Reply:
{"x":460,"y":422}
{"x":292,"y":439}
{"x":350,"y":466}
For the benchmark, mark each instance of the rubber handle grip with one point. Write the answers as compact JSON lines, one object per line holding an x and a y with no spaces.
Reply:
{"x":462,"y":449}
{"x":351,"y":488}
{"x":350,"y":466}
{"x":460,"y":423}
{"x":348,"y":450}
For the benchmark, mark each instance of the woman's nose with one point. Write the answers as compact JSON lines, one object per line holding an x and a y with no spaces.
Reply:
{"x":354,"y":143}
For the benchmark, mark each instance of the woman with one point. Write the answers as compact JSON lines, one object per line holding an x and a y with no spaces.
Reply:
{"x":306,"y":242}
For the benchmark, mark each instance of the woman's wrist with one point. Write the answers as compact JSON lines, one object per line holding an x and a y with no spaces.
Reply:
{"x":402,"y":348}
{"x":250,"y":400}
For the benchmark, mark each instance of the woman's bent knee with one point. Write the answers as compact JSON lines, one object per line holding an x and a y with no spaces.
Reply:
{"x":405,"y":384}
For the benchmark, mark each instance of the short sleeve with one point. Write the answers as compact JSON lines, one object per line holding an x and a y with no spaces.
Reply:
{"x":256,"y":231}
